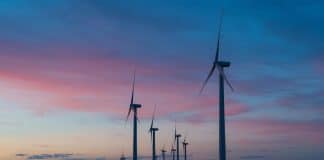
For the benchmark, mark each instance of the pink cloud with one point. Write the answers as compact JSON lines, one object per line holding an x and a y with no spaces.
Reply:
{"x":304,"y":102}
{"x":102,"y":84}
{"x":199,"y":115}
{"x":256,"y":86}
{"x":94,"y":85}
{"x":279,"y":131}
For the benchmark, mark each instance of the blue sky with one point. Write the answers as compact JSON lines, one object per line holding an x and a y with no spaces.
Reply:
{"x":66,"y":68}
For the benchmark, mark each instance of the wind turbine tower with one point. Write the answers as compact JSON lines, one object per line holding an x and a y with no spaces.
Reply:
{"x":220,"y":65}
{"x":123,"y":157}
{"x":185,"y":143}
{"x":163,"y":153}
{"x":133,"y":107}
{"x":176,"y":138}
{"x":173,"y":150}
{"x":152,"y":131}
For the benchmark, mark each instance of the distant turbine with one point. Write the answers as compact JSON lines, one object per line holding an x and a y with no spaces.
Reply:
{"x":152,"y":130}
{"x":173,"y":150}
{"x":185,"y":143}
{"x":176,"y":138}
{"x":163,"y":153}
{"x":220,"y":65}
{"x":133,"y":107}
{"x":123,"y":157}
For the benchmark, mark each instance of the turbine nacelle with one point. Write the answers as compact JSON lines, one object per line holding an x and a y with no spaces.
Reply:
{"x":224,"y":63}
{"x":184,"y":142}
{"x":135,"y":105}
{"x":154,"y":129}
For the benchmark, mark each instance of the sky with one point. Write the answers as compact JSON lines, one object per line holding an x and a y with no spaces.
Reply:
{"x":66,"y":72}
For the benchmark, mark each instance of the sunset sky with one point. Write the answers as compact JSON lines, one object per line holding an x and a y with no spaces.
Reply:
{"x":66,"y":70}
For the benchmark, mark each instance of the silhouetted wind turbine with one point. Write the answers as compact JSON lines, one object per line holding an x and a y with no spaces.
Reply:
{"x":123,"y":157}
{"x":163,"y":151}
{"x":173,"y":150}
{"x":185,"y":143}
{"x":176,"y":138}
{"x":133,"y":107}
{"x":152,"y":130}
{"x":220,"y":65}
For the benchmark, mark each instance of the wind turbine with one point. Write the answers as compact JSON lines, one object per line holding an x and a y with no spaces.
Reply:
{"x":220,"y":65}
{"x":123,"y":157}
{"x":133,"y":107}
{"x":176,"y":138}
{"x":185,"y":143}
{"x":152,"y":131}
{"x":163,"y":153}
{"x":173,"y":150}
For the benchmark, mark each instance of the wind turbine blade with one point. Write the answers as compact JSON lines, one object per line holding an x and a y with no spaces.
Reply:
{"x":228,"y":83}
{"x":175,"y":133}
{"x":133,"y":88}
{"x":218,"y":37}
{"x":152,"y":121}
{"x":153,"y":117}
{"x":219,"y":68}
{"x":217,"y":49}
{"x":217,"y":52}
{"x":132,"y":98}
{"x":151,"y":124}
{"x":128,"y":114}
{"x":214,"y":64}
{"x":154,"y":112}
{"x":208,"y":77}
